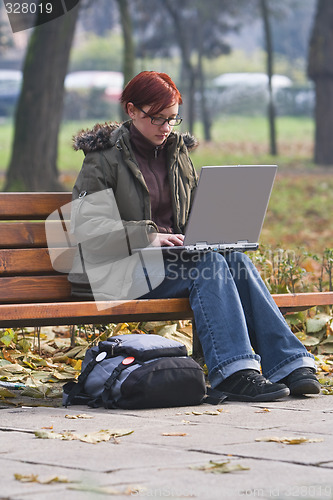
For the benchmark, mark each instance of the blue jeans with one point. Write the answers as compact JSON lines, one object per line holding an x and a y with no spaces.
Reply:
{"x":238,"y":323}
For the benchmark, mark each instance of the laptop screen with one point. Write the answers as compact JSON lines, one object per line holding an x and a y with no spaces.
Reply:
{"x":230,"y":204}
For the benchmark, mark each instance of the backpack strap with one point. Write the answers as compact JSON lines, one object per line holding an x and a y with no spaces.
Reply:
{"x":125,"y":363}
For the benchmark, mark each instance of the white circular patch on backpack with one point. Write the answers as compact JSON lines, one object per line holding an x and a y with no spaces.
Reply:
{"x":101,"y":356}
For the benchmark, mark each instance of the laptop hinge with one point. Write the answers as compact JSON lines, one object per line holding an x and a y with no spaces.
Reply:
{"x":246,"y":245}
{"x":200,"y":245}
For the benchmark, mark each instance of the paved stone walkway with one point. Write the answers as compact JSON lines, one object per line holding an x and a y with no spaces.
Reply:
{"x":153,"y":463}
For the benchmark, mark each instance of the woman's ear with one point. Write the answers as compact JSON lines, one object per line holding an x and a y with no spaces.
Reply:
{"x":131,"y":110}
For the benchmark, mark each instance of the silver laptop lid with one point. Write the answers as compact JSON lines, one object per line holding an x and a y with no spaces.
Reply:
{"x":229,"y":206}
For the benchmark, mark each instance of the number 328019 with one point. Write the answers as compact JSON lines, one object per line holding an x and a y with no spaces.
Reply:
{"x":28,"y":8}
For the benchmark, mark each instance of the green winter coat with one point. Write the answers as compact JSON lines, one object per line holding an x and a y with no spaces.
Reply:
{"x":110,"y":163}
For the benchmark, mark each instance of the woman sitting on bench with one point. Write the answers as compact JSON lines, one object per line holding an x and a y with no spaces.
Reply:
{"x":144,"y":182}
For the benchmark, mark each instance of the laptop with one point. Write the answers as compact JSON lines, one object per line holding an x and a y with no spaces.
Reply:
{"x":228,"y":210}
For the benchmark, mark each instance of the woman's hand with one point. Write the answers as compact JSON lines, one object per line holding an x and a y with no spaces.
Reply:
{"x":166,"y":239}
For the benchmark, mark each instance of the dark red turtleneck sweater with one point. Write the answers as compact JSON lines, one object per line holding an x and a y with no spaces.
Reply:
{"x":153,"y":165}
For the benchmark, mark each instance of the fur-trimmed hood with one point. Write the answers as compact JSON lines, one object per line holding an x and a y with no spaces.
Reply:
{"x":104,"y":136}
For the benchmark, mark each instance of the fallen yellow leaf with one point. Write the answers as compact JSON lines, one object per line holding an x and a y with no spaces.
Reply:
{"x":174,"y":434}
{"x":206,"y":412}
{"x":108,"y":490}
{"x":34,"y":478}
{"x":5,"y":393}
{"x":290,"y":440}
{"x":82,"y":415}
{"x":220,"y":467}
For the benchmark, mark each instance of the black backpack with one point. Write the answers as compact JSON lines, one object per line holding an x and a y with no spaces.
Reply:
{"x":137,"y":371}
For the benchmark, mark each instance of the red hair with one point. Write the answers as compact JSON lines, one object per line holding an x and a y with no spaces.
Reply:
{"x":153,"y":89}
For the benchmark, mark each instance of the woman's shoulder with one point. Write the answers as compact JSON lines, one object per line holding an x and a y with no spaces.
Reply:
{"x":185,"y":140}
{"x":102,"y":137}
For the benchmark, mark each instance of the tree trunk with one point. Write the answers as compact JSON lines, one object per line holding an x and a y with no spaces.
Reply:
{"x":320,"y":70}
{"x":205,"y":118}
{"x":129,"y":53}
{"x":323,"y":153}
{"x":188,"y":70}
{"x":269,"y":50}
{"x":33,"y":165}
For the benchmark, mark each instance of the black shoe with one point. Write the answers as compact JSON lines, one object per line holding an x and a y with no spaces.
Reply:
{"x":302,"y":381}
{"x":249,"y":385}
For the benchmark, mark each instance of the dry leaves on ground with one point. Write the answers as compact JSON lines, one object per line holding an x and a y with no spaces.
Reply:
{"x":102,"y":490}
{"x":39,"y":370}
{"x":91,"y":437}
{"x":44,"y":368}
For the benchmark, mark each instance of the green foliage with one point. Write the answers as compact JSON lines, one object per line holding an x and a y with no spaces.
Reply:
{"x":281,"y":270}
{"x":97,"y":53}
{"x":292,"y":271}
{"x":239,"y":61}
{"x":326,"y":274}
{"x":314,"y":328}
{"x":7,"y":337}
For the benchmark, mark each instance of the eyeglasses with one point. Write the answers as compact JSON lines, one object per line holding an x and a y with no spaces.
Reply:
{"x":159,"y":121}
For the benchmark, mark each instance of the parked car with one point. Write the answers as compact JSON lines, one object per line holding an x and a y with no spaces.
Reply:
{"x":110,"y":81}
{"x":93,"y":94}
{"x":245,"y":92}
{"x":248,"y":80}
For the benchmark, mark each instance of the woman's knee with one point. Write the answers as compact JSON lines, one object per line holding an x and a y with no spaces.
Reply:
{"x":212,"y":265}
{"x":240,"y":257}
{"x":216,"y":258}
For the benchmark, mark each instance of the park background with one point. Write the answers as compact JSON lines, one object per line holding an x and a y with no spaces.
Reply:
{"x":250,"y":79}
{"x":257,"y":82}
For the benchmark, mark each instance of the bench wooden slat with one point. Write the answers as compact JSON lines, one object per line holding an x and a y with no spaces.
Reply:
{"x":36,"y":261}
{"x":29,"y":235}
{"x":25,"y":261}
{"x":300,"y":301}
{"x":40,"y":314}
{"x":42,"y":288}
{"x":92,"y":312}
{"x":22,"y":234}
{"x":29,"y":205}
{"x":24,"y":289}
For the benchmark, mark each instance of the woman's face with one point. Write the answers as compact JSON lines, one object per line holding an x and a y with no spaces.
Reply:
{"x":154,"y":133}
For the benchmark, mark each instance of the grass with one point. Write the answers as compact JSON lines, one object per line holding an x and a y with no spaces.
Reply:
{"x":245,"y":140}
{"x":6,"y":138}
{"x":255,"y":128}
{"x":300,"y":212}
{"x":236,"y":139}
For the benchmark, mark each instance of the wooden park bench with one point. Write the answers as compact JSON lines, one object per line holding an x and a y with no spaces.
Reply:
{"x":32,"y":293}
